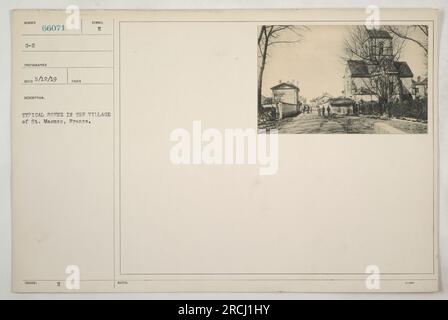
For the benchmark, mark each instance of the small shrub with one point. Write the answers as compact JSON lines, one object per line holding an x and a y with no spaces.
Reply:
{"x":413,"y":109}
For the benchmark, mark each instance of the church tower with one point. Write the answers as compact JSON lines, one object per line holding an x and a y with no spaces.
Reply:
{"x":379,"y":46}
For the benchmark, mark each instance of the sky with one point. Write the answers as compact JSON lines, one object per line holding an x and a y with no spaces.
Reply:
{"x":317,"y":63}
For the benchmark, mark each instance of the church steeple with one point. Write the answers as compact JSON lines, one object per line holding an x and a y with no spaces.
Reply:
{"x":379,"y":45}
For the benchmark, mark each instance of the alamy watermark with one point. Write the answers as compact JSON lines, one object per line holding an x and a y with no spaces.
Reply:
{"x":228,"y":147}
{"x":373,"y":279}
{"x":73,"y":19}
{"x":373,"y":17}
{"x":73,"y":279}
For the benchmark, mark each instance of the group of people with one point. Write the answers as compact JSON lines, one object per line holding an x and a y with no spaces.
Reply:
{"x":321,"y":111}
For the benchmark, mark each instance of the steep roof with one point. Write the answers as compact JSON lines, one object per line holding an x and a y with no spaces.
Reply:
{"x":323,"y":98}
{"x":284,"y":85}
{"x":378,"y":34}
{"x":360,"y":69}
{"x":423,"y":82}
{"x":404,"y":71}
{"x":341,"y":101}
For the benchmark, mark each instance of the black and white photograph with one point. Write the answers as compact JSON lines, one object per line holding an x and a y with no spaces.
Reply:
{"x":321,"y":79}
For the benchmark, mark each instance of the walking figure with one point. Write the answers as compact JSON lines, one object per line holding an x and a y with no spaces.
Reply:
{"x":323,"y":111}
{"x":328,"y":110}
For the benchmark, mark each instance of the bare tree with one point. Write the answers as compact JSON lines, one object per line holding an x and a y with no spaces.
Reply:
{"x":268,"y":36}
{"x":356,"y":48}
{"x":415,"y":33}
{"x":378,"y":58}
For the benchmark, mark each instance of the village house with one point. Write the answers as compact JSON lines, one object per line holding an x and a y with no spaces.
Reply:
{"x":285,"y":92}
{"x":342,"y":105}
{"x":420,"y":88}
{"x":360,"y":73}
{"x":322,"y":101}
{"x":285,"y":98}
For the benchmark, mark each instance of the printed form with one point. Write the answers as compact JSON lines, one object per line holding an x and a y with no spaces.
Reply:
{"x":169,"y":151}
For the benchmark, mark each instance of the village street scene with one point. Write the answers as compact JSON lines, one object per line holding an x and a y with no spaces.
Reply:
{"x":343,"y":79}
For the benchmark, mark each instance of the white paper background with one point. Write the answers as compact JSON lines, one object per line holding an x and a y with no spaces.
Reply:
{"x":5,"y":212}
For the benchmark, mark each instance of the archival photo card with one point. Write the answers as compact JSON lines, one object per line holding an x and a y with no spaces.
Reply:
{"x":207,"y":151}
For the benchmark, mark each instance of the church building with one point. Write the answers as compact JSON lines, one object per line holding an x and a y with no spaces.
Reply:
{"x":378,"y":73}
